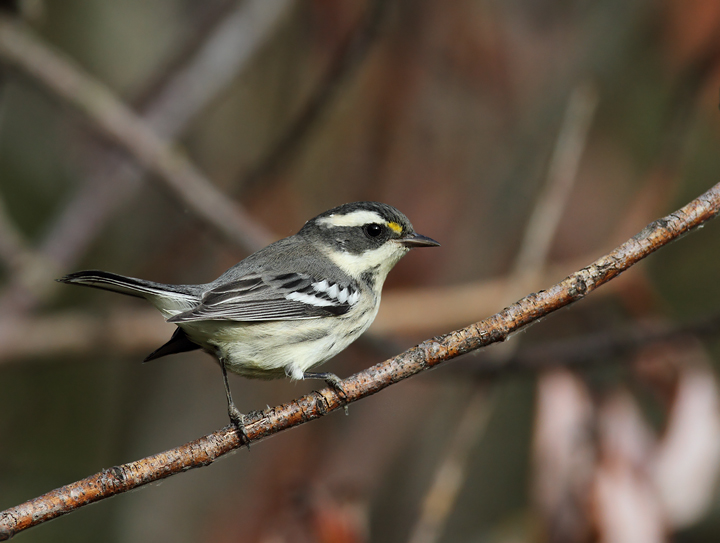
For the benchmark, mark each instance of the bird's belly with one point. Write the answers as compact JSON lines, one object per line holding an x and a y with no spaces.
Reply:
{"x":273,"y":349}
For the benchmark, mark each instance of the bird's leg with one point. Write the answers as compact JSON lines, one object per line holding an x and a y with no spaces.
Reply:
{"x":236,"y":418}
{"x":332,"y":380}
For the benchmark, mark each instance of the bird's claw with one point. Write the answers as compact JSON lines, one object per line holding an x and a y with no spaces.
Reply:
{"x":237,"y":419}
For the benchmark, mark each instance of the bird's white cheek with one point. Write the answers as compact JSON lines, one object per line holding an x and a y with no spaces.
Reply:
{"x":383,"y":258}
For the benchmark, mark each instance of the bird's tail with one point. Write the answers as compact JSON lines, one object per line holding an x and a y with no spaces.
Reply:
{"x":168,"y":298}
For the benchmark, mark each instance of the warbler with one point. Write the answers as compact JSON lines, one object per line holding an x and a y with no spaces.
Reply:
{"x":288,"y":307}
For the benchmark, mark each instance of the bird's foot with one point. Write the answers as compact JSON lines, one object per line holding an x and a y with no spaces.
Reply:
{"x":333,"y":382}
{"x":237,"y":419}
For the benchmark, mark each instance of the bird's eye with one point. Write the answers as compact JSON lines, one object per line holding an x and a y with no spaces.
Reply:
{"x":373,"y":230}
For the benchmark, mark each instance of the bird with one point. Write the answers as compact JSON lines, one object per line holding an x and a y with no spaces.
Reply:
{"x":287,"y":308}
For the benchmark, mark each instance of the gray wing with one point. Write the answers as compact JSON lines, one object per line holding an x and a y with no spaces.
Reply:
{"x":263,"y":297}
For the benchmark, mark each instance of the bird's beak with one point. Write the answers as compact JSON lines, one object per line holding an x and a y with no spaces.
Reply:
{"x":416,"y":240}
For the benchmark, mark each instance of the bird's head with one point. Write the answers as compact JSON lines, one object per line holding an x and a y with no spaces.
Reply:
{"x":363,"y":236}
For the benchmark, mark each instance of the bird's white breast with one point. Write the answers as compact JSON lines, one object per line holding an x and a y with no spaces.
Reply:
{"x":273,"y":349}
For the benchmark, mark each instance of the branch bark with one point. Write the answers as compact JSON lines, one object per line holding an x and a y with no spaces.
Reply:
{"x":425,"y":356}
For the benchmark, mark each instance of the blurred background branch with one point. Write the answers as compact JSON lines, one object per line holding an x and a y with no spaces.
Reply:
{"x":348,"y":58}
{"x":226,"y":50}
{"x":117,"y":122}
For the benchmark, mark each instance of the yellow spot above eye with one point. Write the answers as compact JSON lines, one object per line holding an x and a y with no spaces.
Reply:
{"x":395,"y":227}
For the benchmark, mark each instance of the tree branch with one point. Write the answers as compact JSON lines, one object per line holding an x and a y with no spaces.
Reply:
{"x":425,"y":356}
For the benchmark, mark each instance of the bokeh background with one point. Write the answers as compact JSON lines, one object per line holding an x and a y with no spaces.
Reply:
{"x":529,"y":137}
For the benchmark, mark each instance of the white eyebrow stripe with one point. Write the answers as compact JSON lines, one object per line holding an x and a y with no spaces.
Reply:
{"x":356,"y":218}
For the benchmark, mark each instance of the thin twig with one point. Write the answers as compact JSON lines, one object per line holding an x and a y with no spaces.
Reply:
{"x":403,"y":310}
{"x":529,"y":263}
{"x":13,"y":246}
{"x":113,"y":178}
{"x":552,"y":201}
{"x":562,"y":174}
{"x":449,"y":477}
{"x":232,"y":44}
{"x":15,"y":251}
{"x":72,"y":333}
{"x":26,"y":266}
{"x":348,"y":58}
{"x":599,"y":348}
{"x":22,"y":49}
{"x":429,"y":354}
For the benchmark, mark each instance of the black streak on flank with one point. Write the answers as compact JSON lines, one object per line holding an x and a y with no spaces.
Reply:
{"x":369,"y":277}
{"x":337,"y":310}
{"x":357,"y":331}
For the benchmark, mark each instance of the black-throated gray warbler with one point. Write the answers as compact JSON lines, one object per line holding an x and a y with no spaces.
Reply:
{"x":288,"y":307}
